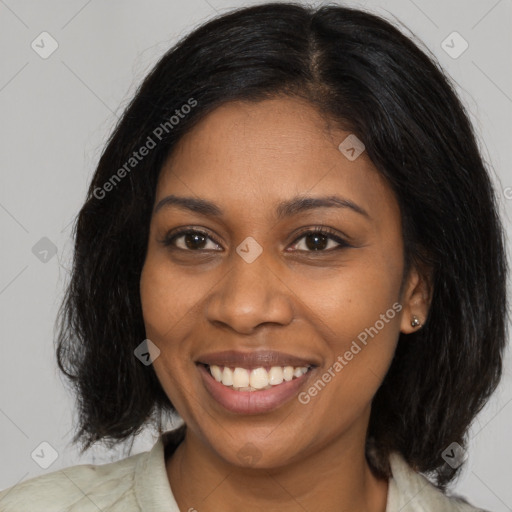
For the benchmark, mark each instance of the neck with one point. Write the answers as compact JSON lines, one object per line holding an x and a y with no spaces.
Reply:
{"x":333,"y":478}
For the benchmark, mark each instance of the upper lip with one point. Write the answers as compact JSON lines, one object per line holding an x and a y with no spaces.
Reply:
{"x":255,"y":359}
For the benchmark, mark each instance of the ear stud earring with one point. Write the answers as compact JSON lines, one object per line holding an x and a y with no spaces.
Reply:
{"x":415,"y":321}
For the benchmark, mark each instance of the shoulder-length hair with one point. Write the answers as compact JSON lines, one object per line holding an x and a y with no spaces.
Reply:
{"x":360,"y":71}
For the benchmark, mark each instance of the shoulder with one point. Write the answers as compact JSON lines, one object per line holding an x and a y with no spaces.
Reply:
{"x":412,"y":492}
{"x":84,"y":488}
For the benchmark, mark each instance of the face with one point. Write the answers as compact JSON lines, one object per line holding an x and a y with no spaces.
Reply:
{"x":240,"y":278}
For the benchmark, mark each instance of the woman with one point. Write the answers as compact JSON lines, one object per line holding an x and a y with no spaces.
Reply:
{"x":291,"y":241}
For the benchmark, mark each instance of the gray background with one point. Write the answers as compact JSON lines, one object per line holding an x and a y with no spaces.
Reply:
{"x":56,"y":114}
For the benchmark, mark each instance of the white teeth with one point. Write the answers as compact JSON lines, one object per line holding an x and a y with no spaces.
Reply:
{"x":227,"y":376}
{"x":275,"y":375}
{"x":288,"y":373}
{"x":242,"y":379}
{"x":216,"y":372}
{"x":258,"y":378}
{"x":298,"y":372}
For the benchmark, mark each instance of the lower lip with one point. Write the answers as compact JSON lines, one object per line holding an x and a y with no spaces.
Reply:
{"x":252,"y":402}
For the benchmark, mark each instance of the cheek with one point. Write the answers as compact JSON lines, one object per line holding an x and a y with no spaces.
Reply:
{"x":163,"y":311}
{"x":166,"y":298}
{"x":359,"y":358}
{"x":170,"y":305}
{"x":353,"y":299}
{"x":153,"y":296}
{"x":163,"y":314}
{"x":358,"y":316}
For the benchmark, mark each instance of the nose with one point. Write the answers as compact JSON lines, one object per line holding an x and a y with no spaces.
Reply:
{"x":249,"y":295}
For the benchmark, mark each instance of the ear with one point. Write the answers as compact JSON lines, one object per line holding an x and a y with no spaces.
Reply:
{"x":416,"y":298}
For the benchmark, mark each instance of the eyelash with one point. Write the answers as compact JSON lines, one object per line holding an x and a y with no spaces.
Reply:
{"x":168,"y":241}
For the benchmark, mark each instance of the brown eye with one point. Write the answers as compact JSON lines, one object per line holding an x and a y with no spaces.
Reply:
{"x":190,"y":240}
{"x":318,"y":240}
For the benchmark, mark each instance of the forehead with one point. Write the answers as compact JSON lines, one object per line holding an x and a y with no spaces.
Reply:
{"x":263,"y":152}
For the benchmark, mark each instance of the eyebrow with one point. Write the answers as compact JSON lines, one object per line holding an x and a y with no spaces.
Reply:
{"x":284,"y":209}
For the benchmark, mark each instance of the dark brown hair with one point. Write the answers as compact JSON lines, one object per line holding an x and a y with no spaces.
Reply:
{"x":361,"y":71}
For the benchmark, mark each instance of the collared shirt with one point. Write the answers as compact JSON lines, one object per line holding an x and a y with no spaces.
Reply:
{"x":140,"y":484}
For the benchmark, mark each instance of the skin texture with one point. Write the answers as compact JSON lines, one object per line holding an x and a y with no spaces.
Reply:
{"x":246,"y":158}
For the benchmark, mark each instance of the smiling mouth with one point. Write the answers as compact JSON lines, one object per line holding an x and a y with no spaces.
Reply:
{"x":255,"y":379}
